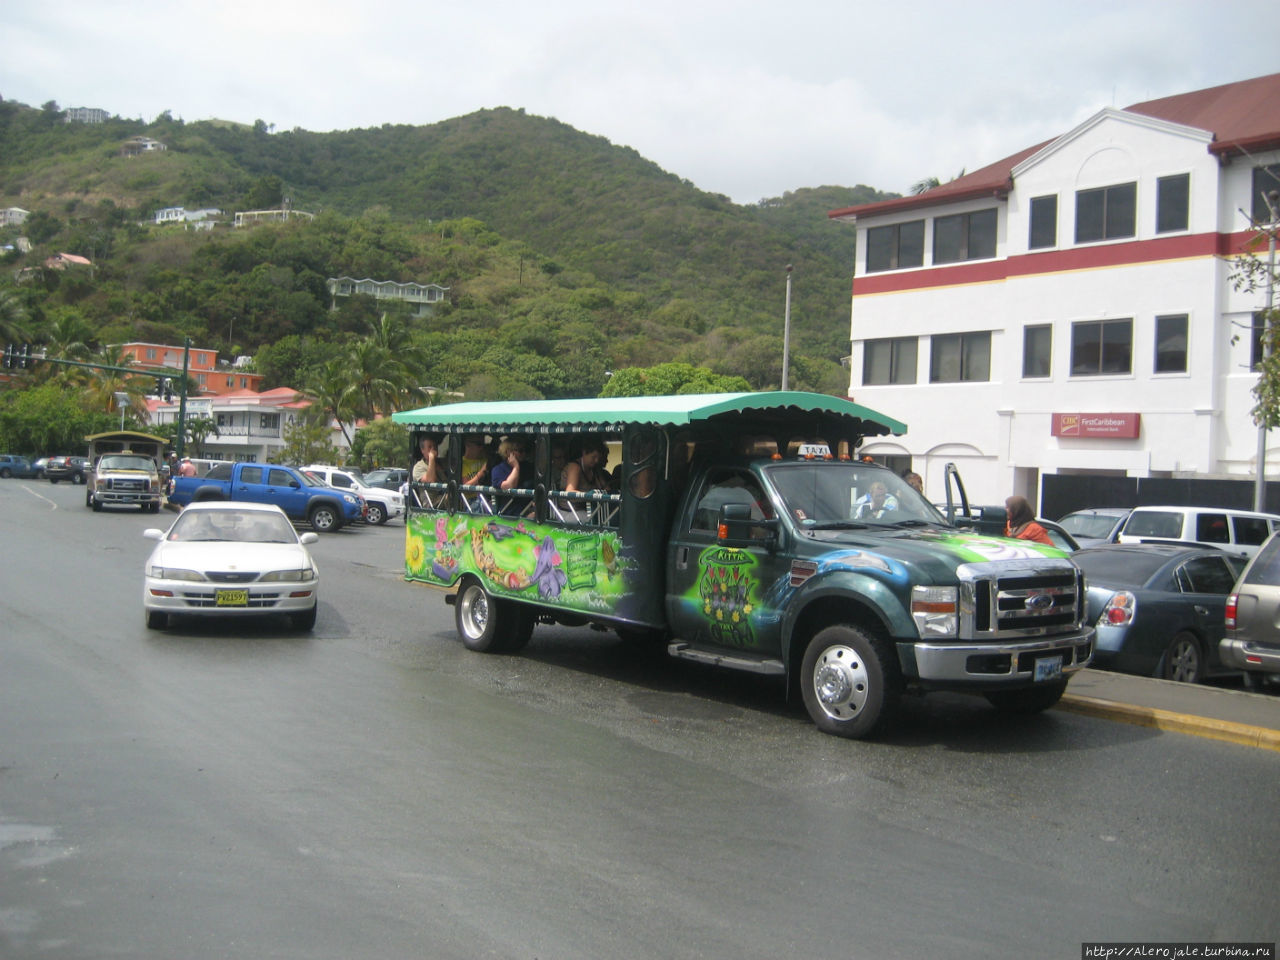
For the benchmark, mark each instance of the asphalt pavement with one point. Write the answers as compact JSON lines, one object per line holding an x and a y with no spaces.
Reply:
{"x":1237,"y":716}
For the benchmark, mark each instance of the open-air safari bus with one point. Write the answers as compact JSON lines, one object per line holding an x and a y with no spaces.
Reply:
{"x":742,"y":530}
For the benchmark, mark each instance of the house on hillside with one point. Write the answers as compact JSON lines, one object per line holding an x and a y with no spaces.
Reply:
{"x":422,"y":296}
{"x":13,"y":216}
{"x":185,"y":216}
{"x":251,"y":425}
{"x":1068,"y":311}
{"x":85,"y":115}
{"x":248,"y":218}
{"x":136,"y":145}
{"x":210,"y":376}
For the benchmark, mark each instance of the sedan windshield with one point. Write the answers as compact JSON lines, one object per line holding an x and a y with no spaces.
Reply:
{"x":248,"y":527}
{"x":842,"y":494}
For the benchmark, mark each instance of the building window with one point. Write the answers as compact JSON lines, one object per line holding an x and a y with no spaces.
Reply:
{"x":895,"y":247}
{"x":1044,"y":222}
{"x":1173,"y":196}
{"x":1037,"y":350}
{"x":1107,"y":213}
{"x":1101,"y":347}
{"x":1255,"y":337}
{"x":957,"y":357}
{"x":964,"y":236}
{"x":151,"y":353}
{"x":891,"y":360}
{"x":231,"y":382}
{"x":1265,"y":180}
{"x":1171,"y":344}
{"x":269,"y":421}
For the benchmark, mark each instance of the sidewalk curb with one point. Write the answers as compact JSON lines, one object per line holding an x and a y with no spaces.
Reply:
{"x":1241,"y":733}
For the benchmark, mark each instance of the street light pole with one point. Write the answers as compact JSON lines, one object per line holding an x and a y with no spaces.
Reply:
{"x":786,"y":332}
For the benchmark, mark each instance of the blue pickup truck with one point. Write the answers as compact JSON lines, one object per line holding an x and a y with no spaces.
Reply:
{"x":298,"y":495}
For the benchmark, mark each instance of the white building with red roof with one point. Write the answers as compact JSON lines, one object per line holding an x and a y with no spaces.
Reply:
{"x":1070,"y":309}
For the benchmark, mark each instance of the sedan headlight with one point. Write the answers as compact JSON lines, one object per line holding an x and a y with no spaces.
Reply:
{"x":936,"y":611}
{"x":290,"y":576}
{"x":158,"y":572}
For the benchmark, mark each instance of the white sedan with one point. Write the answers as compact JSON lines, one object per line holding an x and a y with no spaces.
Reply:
{"x":223,"y":558}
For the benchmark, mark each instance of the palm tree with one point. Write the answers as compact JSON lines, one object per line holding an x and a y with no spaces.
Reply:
{"x":66,"y":338}
{"x":13,"y":317}
{"x":379,"y":378}
{"x":103,"y":385}
{"x":334,"y":393}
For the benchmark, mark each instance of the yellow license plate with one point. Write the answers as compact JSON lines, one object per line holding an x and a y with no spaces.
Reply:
{"x":233,"y":598}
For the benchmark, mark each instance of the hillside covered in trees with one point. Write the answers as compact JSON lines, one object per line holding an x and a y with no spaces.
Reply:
{"x":566,"y":258}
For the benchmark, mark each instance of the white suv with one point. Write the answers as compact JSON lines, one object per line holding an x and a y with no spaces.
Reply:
{"x":380,"y":505}
{"x":1240,"y":532}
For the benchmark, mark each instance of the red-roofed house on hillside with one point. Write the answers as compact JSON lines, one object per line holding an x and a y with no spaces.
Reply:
{"x":210,"y":376}
{"x":1069,"y":309}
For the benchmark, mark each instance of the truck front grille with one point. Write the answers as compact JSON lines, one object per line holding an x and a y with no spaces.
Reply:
{"x":1029,"y":598}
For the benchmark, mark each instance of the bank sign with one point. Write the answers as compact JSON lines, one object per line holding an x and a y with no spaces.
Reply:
{"x":1111,"y":426}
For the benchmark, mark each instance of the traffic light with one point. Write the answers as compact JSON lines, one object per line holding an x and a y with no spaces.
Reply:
{"x":168,"y":390}
{"x":15,"y":357}
{"x":26,"y":356}
{"x":8,"y":356}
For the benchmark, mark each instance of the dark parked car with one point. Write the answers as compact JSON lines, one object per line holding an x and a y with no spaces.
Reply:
{"x":1159,"y":609}
{"x":389,"y":478}
{"x":1095,"y":525}
{"x":66,"y":468}
{"x":12,"y":465}
{"x":1252,"y":640}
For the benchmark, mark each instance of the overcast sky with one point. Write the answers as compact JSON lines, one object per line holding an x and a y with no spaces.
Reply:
{"x":746,"y":99}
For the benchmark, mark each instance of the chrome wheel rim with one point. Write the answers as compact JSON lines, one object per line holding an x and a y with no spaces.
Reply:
{"x":840,"y":682}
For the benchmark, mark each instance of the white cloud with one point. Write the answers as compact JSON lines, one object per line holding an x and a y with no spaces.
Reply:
{"x":745,"y":99}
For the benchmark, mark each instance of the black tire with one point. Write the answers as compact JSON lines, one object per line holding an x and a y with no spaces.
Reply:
{"x":97,"y":506}
{"x":5,"y":473}
{"x":850,"y":681}
{"x":157,"y":620}
{"x":304,"y":620}
{"x":489,"y":624}
{"x":375,"y":512}
{"x":324,"y":518}
{"x":53,"y":479}
{"x":1029,"y":699}
{"x":1183,"y":661}
{"x":77,"y":478}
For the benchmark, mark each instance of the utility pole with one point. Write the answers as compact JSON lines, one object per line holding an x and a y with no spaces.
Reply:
{"x":180,"y":441}
{"x":1260,"y":480}
{"x":786,"y":332}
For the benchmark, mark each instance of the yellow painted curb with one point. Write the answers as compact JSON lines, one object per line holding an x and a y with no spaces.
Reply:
{"x":1241,"y":733}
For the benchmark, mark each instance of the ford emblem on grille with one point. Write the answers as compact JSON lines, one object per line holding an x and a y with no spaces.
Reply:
{"x":1039,"y":602}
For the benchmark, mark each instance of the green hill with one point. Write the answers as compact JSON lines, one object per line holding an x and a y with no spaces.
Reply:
{"x":558,"y":247}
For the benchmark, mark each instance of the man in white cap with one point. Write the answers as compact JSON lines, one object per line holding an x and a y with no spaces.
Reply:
{"x":188,"y":469}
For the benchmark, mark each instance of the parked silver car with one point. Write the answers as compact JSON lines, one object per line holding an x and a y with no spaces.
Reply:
{"x":1095,"y":525}
{"x":1252,"y":639}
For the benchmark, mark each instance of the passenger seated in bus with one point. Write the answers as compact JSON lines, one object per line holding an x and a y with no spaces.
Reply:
{"x":475,"y":461}
{"x":426,"y":469}
{"x":587,"y":472}
{"x":512,"y":472}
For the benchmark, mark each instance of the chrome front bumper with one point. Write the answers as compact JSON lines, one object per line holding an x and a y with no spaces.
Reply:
{"x":1000,"y":663}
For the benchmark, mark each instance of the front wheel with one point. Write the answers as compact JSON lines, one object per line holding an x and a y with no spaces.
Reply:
{"x":324,"y":518}
{"x":1182,"y":661}
{"x":305,"y":620}
{"x":375,"y":513}
{"x":157,"y":620}
{"x":1028,"y":699}
{"x":488,"y":624}
{"x":850,"y":681}
{"x":77,"y":478}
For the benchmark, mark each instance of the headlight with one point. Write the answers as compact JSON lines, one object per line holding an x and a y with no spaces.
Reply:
{"x":936,"y":611}
{"x":173,"y":573}
{"x":350,"y":498}
{"x":291,"y":576}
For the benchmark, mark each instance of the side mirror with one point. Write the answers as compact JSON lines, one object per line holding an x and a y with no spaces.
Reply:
{"x":736,"y":523}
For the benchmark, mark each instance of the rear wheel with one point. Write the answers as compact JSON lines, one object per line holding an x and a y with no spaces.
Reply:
{"x":324,"y":518}
{"x":5,"y":473}
{"x":1028,"y":699}
{"x":850,"y":681}
{"x":1182,"y":661}
{"x":77,"y":478}
{"x":489,"y":624}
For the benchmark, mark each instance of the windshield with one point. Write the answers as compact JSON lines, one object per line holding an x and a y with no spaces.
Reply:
{"x":126,"y":463}
{"x":251,"y":526}
{"x":852,"y":494}
{"x":1094,"y":525}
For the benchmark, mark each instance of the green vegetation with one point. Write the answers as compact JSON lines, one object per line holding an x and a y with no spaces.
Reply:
{"x":565,"y":258}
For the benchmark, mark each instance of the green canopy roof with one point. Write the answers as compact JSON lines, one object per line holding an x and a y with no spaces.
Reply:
{"x":597,"y":414}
